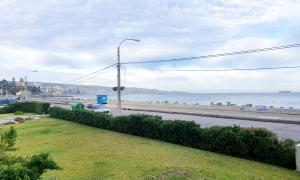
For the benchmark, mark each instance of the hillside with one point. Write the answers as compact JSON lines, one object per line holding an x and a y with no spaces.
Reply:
{"x":93,"y":89}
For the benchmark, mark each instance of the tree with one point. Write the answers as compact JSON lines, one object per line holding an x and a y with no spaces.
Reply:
{"x":4,"y":86}
{"x":34,"y":89}
{"x":12,"y":87}
{"x":28,"y":168}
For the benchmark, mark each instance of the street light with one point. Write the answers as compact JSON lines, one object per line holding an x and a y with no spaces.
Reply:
{"x":119,"y":88}
{"x":26,"y":88}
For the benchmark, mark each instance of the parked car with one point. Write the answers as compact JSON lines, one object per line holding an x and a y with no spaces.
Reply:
{"x":98,"y":108}
{"x":89,"y":106}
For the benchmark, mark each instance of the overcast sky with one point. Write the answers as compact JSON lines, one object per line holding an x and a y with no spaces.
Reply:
{"x":64,"y":39}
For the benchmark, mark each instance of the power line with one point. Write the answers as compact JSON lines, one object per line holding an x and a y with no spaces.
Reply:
{"x":85,"y":80}
{"x":87,"y":75}
{"x":216,"y":55}
{"x":200,"y":57}
{"x":235,"y":69}
{"x":247,"y":32}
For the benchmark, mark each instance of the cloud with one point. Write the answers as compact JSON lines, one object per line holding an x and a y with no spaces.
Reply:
{"x":66,"y":39}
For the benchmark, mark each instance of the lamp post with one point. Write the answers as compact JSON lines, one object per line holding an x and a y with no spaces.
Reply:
{"x":119,"y":74}
{"x":26,"y":87}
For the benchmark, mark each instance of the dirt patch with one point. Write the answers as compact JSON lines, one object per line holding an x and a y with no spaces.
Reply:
{"x":170,"y":173}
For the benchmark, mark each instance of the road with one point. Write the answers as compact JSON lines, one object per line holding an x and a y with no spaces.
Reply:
{"x":282,"y":130}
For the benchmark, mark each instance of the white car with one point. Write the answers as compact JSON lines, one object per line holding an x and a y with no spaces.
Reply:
{"x":98,"y":108}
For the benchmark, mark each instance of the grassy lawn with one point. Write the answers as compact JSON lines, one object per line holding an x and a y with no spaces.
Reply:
{"x":13,"y":115}
{"x":91,"y":153}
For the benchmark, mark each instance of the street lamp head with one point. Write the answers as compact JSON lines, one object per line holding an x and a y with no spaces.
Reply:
{"x":136,"y":40}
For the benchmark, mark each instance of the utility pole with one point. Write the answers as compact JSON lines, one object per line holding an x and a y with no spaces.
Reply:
{"x":119,"y":82}
{"x":119,"y":88}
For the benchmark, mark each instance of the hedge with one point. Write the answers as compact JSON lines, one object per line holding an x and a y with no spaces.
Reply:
{"x":250,"y":143}
{"x":32,"y":107}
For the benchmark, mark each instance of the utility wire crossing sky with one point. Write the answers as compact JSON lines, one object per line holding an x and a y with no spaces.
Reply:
{"x":202,"y":57}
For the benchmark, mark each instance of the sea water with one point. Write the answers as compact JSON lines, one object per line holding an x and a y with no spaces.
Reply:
{"x":278,"y":100}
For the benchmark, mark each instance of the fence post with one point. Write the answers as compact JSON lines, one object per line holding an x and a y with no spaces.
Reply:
{"x":298,"y":157}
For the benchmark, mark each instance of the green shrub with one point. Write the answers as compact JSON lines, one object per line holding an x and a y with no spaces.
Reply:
{"x":185,"y":133}
{"x":132,"y":124}
{"x":151,"y":127}
{"x":4,"y":110}
{"x":250,"y":143}
{"x":18,"y":113}
{"x":31,"y":107}
{"x":89,"y":118}
{"x":8,"y":139}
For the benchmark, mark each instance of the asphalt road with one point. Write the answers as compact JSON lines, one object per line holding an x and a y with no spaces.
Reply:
{"x":282,"y":130}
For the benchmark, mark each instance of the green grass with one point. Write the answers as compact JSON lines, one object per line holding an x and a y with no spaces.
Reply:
{"x":91,"y":153}
{"x":14,"y":115}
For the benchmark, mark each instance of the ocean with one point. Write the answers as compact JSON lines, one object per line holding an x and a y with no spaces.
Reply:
{"x":278,"y":100}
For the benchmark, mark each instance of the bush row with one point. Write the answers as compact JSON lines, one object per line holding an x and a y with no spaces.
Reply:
{"x":32,"y":107}
{"x":250,"y":143}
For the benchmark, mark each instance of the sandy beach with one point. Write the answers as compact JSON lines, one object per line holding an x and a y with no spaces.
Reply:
{"x":232,"y":112}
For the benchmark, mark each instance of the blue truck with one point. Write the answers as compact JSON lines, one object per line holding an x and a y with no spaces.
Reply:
{"x":100,"y":106}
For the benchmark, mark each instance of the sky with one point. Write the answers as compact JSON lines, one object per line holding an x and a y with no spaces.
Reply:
{"x":65,"y":39}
